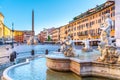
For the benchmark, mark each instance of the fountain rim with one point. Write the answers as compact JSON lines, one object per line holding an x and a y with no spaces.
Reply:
{"x":57,"y":57}
{"x":5,"y":73}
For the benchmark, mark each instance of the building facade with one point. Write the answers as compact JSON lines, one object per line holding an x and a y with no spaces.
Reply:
{"x":1,"y":25}
{"x":55,"y":34}
{"x":43,"y":35}
{"x":7,"y":34}
{"x":87,"y":25}
{"x":63,"y":32}
{"x":27,"y":35}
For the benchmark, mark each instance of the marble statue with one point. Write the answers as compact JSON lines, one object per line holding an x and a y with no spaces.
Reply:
{"x":63,"y":46}
{"x":31,"y":41}
{"x":87,"y":47}
{"x":108,"y":50}
{"x":105,"y":34}
{"x":68,"y":48}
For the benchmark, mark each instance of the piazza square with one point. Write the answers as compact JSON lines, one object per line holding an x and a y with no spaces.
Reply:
{"x":59,"y":40}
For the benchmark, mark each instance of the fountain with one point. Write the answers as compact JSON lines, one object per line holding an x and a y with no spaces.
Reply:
{"x":87,"y":47}
{"x":105,"y":65}
{"x":109,"y":52}
{"x":68,"y":48}
{"x":32,"y":41}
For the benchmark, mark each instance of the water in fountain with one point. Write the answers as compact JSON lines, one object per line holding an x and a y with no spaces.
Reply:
{"x":37,"y":70}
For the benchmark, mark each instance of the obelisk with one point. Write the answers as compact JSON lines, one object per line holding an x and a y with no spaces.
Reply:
{"x":33,"y":23}
{"x":33,"y":33}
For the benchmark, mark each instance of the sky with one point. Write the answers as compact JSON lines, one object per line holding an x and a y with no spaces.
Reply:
{"x":47,"y":13}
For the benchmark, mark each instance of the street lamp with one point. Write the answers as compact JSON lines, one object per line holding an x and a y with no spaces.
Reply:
{"x":12,"y":35}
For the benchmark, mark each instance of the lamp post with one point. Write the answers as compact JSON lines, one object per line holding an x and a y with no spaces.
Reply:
{"x":12,"y":35}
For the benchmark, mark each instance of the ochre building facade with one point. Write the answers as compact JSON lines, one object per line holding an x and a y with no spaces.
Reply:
{"x":7,"y":33}
{"x":87,"y":24}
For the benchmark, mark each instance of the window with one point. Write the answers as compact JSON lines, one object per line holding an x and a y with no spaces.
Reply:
{"x":99,"y":21}
{"x":93,"y":22}
{"x":74,"y":34}
{"x":90,"y":24}
{"x":68,"y":26}
{"x":108,"y":11}
{"x":93,"y":17}
{"x":102,"y":17}
{"x":72,"y":29}
{"x":96,"y":21}
{"x":75,"y":28}
{"x":86,"y":25}
{"x":113,"y":14}
{"x":99,"y":14}
{"x":113,"y":8}
{"x":102,"y":13}
{"x":86,"y":32}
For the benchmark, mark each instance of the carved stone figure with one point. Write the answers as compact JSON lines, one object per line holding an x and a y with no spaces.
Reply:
{"x":68,"y":47}
{"x":106,"y":28}
{"x":109,"y":52}
{"x":31,"y":41}
{"x":63,"y":46}
{"x":87,"y":47}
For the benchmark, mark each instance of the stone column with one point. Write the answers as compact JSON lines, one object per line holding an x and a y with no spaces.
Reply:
{"x":117,"y":22}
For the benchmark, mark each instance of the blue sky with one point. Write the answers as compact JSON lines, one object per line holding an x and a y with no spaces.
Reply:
{"x":48,"y":13}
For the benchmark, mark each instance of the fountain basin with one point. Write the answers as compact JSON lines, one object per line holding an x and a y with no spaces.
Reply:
{"x":58,"y":63}
{"x":62,"y":63}
{"x":5,"y":73}
{"x":83,"y":67}
{"x":37,"y":70}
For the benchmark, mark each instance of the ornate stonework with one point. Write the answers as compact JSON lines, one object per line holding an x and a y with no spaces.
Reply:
{"x":109,"y":52}
{"x":68,"y":47}
{"x":87,"y":47}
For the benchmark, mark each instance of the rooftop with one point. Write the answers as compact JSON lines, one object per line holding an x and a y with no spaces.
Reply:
{"x":93,"y":10}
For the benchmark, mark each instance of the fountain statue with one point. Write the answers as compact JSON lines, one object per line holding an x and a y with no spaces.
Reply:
{"x":68,"y":48}
{"x":31,"y":41}
{"x":109,"y":52}
{"x":87,"y":47}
